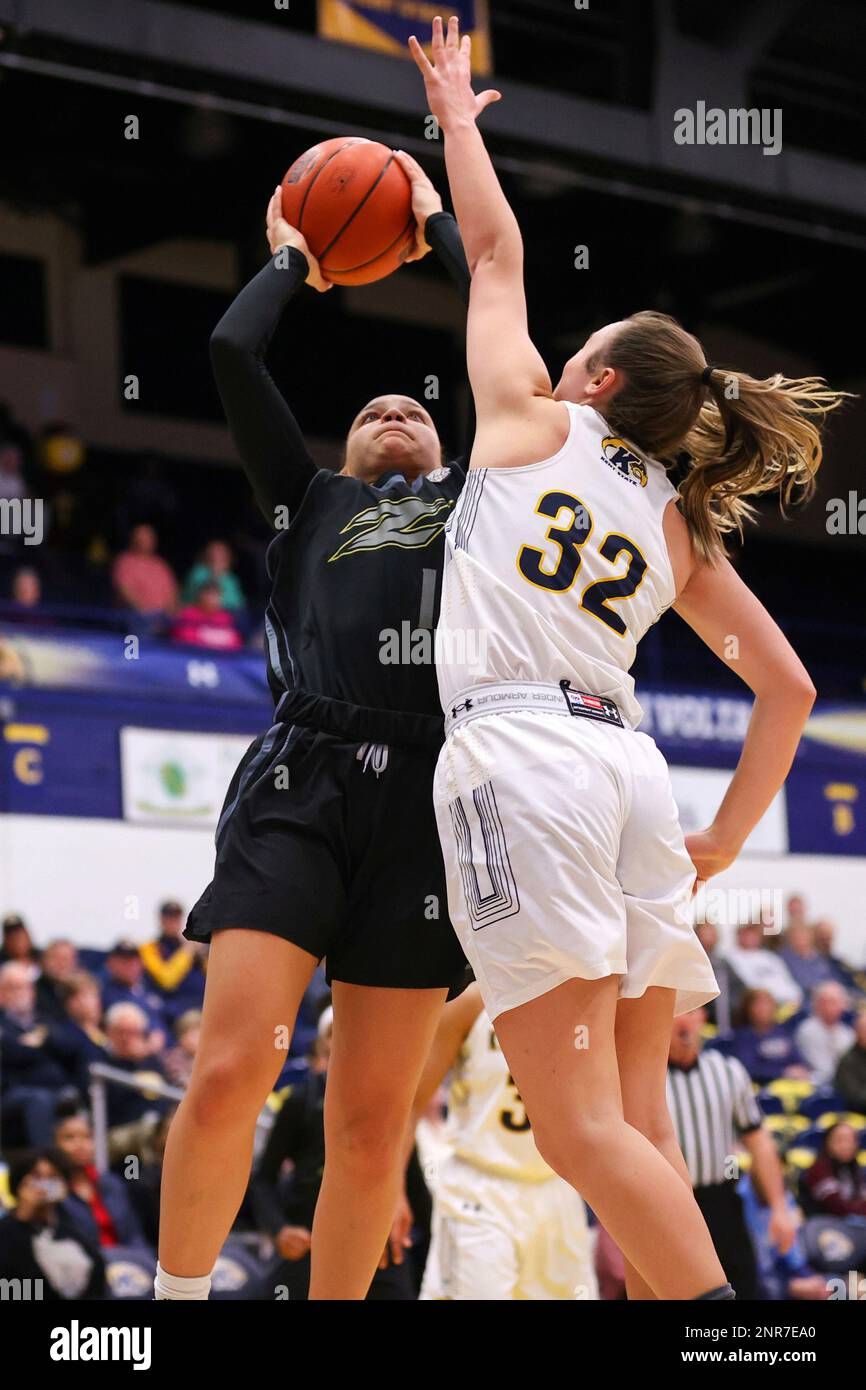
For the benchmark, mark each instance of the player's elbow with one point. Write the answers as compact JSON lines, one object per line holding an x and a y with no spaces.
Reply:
{"x":496,"y":256}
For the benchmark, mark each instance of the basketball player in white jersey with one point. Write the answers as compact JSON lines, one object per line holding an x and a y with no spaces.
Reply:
{"x":569,"y":877}
{"x":504,"y":1225}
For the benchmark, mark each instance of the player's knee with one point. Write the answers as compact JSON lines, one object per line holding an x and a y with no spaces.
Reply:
{"x":225,"y":1088}
{"x":573,"y":1148}
{"x":369,"y":1138}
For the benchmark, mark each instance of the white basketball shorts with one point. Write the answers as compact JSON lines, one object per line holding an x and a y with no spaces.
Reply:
{"x":565,"y":858}
{"x":497,"y":1238}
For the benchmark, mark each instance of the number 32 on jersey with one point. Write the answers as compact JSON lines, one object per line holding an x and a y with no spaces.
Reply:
{"x":570,"y":538}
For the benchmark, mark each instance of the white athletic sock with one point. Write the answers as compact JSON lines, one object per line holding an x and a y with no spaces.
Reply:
{"x":173,"y":1287}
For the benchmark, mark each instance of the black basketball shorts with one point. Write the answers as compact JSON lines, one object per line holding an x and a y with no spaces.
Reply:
{"x":331,"y":843}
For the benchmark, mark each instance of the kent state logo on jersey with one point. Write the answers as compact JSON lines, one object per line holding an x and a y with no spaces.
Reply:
{"x":407,"y":522}
{"x":626,"y":462}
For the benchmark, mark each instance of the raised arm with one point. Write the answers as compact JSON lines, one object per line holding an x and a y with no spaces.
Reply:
{"x":505,"y":368}
{"x":267,"y":435}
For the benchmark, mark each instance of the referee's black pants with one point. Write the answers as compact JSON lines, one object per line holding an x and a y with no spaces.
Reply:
{"x":723,"y":1213}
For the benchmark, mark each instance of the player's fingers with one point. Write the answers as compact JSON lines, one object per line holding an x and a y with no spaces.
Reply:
{"x":411,"y":168}
{"x":487,"y":99}
{"x":438,"y":40}
{"x":452,"y":38}
{"x":422,"y":61}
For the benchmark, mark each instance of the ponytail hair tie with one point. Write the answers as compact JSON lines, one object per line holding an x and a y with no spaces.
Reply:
{"x":706,"y":374}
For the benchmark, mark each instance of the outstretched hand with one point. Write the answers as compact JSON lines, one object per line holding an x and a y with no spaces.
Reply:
{"x":282,"y":233}
{"x":448,"y":79}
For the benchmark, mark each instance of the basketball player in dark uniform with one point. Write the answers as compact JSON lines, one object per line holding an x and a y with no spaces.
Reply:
{"x":327,"y":843}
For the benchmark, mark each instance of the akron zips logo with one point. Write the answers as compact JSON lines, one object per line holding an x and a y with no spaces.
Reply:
{"x":407,"y":522}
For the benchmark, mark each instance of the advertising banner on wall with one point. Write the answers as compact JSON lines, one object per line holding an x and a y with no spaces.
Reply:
{"x":385,"y":25}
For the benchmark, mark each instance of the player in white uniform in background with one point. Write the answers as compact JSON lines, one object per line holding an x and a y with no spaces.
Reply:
{"x":568,"y":875}
{"x":504,"y":1225}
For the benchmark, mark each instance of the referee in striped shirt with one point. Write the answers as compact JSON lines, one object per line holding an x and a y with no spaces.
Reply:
{"x":715,"y":1114}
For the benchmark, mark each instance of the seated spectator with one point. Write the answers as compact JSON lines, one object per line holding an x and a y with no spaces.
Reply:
{"x":59,"y":964}
{"x":179,"y":1059}
{"x":825,"y":934}
{"x":719,"y":1010}
{"x":37,"y":1239}
{"x":783,"y":1275}
{"x":796,"y":911}
{"x":142,"y":580}
{"x":806,"y":964}
{"x":133,"y":1113}
{"x":215,"y":567}
{"x":83,"y":1024}
{"x":173,"y":965}
{"x":205,"y":623}
{"x":26,"y":598}
{"x":822,"y":1037}
{"x":124,"y":982}
{"x":766,"y":1049}
{"x":835,"y":1185}
{"x":850,"y":1079}
{"x":754,"y":967}
{"x":98,"y":1204}
{"x":38,"y":1061}
{"x":17,"y":943}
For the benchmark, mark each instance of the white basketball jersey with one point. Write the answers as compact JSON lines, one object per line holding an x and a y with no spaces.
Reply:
{"x":555,"y":570}
{"x":487,"y":1121}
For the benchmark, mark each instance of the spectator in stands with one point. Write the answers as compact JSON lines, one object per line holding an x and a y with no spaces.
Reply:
{"x":124,"y":982}
{"x":132,"y":1113}
{"x":835,"y":1185}
{"x":26,"y":598}
{"x":850,"y":1079}
{"x":795,"y":909}
{"x":825,"y":934}
{"x":17,"y":943}
{"x":59,"y":964}
{"x":173,"y":965}
{"x":215,"y":567}
{"x":754,"y":967}
{"x":179,"y":1059}
{"x":98,"y":1204}
{"x":785,"y":1275}
{"x":142,"y":580}
{"x":38,"y":1242}
{"x":719,"y":1011}
{"x":205,"y":623}
{"x":37,"y":1060}
{"x":766,"y":1048}
{"x":808,"y":967}
{"x":83,"y":1023}
{"x":823,"y":1037}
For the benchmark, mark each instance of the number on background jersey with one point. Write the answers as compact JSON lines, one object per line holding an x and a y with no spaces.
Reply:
{"x":510,"y":1119}
{"x":597,"y":595}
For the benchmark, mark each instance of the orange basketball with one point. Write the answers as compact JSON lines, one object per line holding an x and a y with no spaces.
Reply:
{"x":353,"y":203}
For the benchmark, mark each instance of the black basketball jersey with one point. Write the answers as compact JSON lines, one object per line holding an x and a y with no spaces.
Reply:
{"x":356,"y":585}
